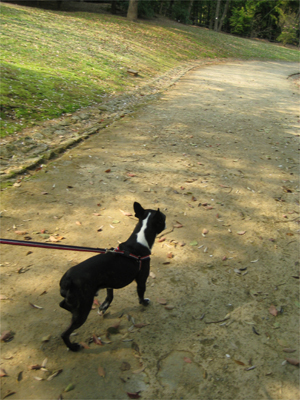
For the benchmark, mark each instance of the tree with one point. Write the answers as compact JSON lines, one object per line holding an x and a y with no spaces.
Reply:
{"x":132,"y":12}
{"x":223,"y":15}
{"x":217,"y":15}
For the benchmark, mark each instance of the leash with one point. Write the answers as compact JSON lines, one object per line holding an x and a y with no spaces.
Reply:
{"x":73,"y":248}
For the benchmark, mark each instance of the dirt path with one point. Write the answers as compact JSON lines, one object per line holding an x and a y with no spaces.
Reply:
{"x":218,"y":151}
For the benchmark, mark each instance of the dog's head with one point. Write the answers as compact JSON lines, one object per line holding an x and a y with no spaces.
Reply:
{"x":157,"y":220}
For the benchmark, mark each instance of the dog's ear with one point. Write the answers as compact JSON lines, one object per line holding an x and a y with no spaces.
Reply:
{"x":138,"y":209}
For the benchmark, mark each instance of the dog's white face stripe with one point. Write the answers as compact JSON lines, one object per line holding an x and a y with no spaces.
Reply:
{"x":141,"y":235}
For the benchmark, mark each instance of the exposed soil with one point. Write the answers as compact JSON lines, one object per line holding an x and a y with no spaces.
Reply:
{"x":219,"y":152}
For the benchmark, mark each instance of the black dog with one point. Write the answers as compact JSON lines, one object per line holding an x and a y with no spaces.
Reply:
{"x":111,"y":270}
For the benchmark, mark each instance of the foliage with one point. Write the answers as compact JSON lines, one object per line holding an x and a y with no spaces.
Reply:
{"x":290,"y":29}
{"x":241,"y":20}
{"x":180,"y":12}
{"x":55,"y":62}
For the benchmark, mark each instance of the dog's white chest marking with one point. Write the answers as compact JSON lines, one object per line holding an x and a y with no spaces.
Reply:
{"x":141,"y":238}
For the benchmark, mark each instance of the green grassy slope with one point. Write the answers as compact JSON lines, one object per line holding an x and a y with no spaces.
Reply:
{"x":57,"y":62}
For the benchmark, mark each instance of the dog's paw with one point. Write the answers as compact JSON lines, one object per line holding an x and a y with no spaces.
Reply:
{"x":145,"y":302}
{"x":75,"y":347}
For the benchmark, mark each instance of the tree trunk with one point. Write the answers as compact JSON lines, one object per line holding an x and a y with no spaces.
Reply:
{"x":223,"y":15}
{"x":169,"y":12}
{"x":113,"y":9}
{"x":190,"y":8}
{"x":132,"y":12}
{"x":217,"y":15}
{"x":161,"y":8}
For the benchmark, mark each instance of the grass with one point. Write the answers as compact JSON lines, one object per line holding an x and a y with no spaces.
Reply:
{"x":57,"y":62}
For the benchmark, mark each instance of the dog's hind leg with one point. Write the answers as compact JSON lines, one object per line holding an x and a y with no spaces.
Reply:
{"x":141,"y":282}
{"x":109,"y":298}
{"x":79,"y":317}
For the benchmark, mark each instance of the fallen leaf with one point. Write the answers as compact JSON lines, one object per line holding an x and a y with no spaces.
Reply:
{"x":6,"y":336}
{"x":293,"y":361}
{"x":138,"y":371}
{"x":54,"y":374}
{"x":133,"y":395}
{"x":55,"y":239}
{"x":35,"y":366}
{"x":135,"y":347}
{"x":170,"y":255}
{"x":194,"y":243}
{"x":21,"y":232}
{"x":273,"y":311}
{"x":115,"y":221}
{"x":46,"y":338}
{"x":239,"y":362}
{"x":8,"y":393}
{"x":169,"y":307}
{"x":69,"y":387}
{"x":3,"y":372}
{"x":141,"y":325}
{"x":107,"y":170}
{"x":20,"y":376}
{"x":127,"y":214}
{"x":255,"y":331}
{"x":286,"y":350}
{"x":162,"y":301}
{"x":125,"y":366}
{"x":282,"y":343}
{"x":250,"y":368}
{"x":101,"y":372}
{"x":178,"y":225}
{"x":187,"y":360}
{"x":95,"y":304}
{"x":114,"y":328}
{"x":44,"y":363}
{"x":287,"y":190}
{"x":96,"y":340}
{"x":35,"y":306}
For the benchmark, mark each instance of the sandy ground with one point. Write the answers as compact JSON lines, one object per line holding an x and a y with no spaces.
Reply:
{"x":218,"y":152}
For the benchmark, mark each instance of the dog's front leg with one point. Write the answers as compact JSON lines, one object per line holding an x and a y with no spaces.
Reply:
{"x":109,"y":298}
{"x":141,"y":282}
